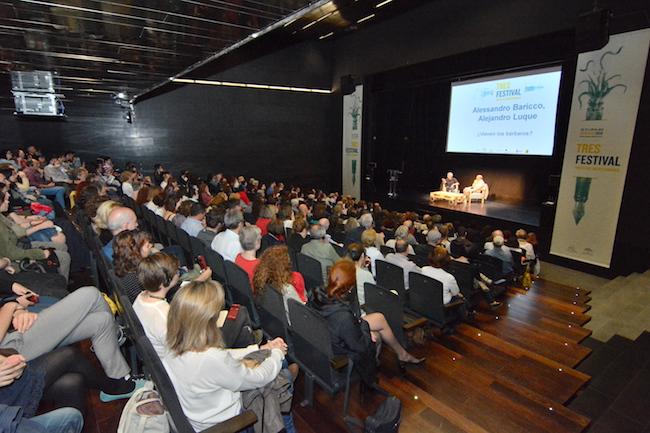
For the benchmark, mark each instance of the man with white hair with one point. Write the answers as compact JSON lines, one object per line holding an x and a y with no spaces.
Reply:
{"x":502,"y":253}
{"x":489,"y":245}
{"x":320,"y":249}
{"x":400,"y":258}
{"x":325,"y":223}
{"x":227,"y":242}
{"x":478,"y":185}
{"x":120,"y":219}
{"x":402,"y":232}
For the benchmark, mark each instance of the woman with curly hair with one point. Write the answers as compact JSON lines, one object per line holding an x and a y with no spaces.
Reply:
{"x":129,"y":248}
{"x":274,"y":269}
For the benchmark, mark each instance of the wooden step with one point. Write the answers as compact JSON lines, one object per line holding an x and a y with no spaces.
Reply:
{"x":510,"y":364}
{"x":497,"y":406}
{"x":527,"y":337}
{"x":552,"y":302}
{"x":527,"y":303}
{"x":559,"y":290}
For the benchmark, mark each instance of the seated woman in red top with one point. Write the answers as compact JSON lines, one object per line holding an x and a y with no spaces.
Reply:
{"x":250,"y":238}
{"x":267,"y":213}
{"x":274,"y":269}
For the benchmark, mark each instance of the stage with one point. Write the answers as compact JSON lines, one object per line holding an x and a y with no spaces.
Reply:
{"x":498,"y":214}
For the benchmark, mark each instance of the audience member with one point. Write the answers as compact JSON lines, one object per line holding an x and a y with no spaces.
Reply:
{"x":400,"y":258}
{"x":251,"y":240}
{"x":369,"y":240}
{"x":438,"y":260}
{"x":320,"y":249}
{"x":502,"y":253}
{"x":209,"y":379}
{"x":401,"y":233}
{"x":194,"y":223}
{"x":352,"y":335}
{"x":274,"y":270}
{"x":213,"y":225}
{"x":300,"y":236}
{"x":227,"y":243}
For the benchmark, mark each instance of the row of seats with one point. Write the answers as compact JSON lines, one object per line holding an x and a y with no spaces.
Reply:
{"x":141,"y":352}
{"x":308,"y":336}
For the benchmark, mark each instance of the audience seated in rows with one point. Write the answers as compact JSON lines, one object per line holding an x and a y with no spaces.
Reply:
{"x":320,"y":249}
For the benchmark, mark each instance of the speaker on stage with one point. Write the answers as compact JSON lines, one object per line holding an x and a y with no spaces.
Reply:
{"x":592,"y":30}
{"x":347,"y":85}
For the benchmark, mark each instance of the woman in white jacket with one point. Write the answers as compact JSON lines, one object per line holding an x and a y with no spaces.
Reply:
{"x":208,"y":379}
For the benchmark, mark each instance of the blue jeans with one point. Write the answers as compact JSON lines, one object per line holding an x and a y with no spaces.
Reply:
{"x":65,"y":420}
{"x":289,"y":426}
{"x":58,"y":192}
{"x":43,"y":303}
{"x":44,"y":235}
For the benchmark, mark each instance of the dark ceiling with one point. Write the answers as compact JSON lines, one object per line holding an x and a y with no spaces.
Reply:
{"x":99,"y":48}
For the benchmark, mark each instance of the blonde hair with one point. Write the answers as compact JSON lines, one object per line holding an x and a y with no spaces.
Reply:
{"x":192,"y":319}
{"x":103,"y":211}
{"x":368,"y":238}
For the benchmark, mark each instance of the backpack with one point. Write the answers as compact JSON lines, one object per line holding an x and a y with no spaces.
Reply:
{"x":144,"y":413}
{"x":386,"y":419}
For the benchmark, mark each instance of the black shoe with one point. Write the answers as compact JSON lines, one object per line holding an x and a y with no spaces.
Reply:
{"x":415,"y":362}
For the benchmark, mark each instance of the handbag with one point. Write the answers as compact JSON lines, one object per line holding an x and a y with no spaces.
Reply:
{"x":144,"y":413}
{"x":386,"y":419}
{"x":44,"y":266}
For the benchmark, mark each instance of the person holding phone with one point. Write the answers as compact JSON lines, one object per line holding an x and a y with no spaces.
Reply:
{"x":208,"y":378}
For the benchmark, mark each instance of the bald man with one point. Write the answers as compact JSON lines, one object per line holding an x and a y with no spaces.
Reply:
{"x":120,"y":219}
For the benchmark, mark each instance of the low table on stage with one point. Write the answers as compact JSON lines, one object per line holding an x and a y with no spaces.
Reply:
{"x":451,"y":197}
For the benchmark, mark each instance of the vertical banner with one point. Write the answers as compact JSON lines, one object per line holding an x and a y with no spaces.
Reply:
{"x":604,"y":107}
{"x":351,"y":172}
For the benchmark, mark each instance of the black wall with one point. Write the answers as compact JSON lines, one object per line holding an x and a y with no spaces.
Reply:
{"x":279,"y":135}
{"x":276,"y":135}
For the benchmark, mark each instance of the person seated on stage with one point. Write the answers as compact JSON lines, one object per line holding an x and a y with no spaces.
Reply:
{"x":502,"y":253}
{"x":439,"y":259}
{"x":400,"y":258}
{"x":450,"y":183}
{"x":478,"y":185}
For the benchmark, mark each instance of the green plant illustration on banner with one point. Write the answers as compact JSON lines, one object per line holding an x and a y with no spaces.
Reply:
{"x":354,"y":171}
{"x":580,"y":197}
{"x":355,"y":112}
{"x":599,"y":85}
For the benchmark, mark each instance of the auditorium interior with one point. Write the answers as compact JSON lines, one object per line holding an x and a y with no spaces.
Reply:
{"x":503,"y":146}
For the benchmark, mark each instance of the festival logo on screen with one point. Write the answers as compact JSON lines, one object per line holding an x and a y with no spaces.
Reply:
{"x":599,"y":85}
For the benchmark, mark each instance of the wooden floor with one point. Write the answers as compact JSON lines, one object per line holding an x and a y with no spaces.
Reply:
{"x":510,"y":370}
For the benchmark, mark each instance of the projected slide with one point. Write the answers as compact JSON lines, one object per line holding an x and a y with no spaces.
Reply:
{"x":505,"y":114}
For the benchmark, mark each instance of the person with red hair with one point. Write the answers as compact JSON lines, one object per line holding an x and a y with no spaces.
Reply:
{"x":352,"y":335}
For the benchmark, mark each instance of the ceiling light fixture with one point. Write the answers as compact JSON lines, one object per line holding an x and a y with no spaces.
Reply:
{"x":371,"y":16}
{"x":385,"y":2}
{"x":250,"y":85}
{"x":326,"y":36}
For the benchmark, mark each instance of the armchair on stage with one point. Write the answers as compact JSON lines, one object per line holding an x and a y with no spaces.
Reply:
{"x":480,"y":193}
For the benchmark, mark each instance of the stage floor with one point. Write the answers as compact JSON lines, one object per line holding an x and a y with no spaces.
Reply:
{"x":512,"y":213}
